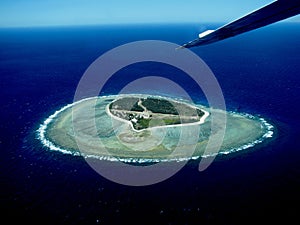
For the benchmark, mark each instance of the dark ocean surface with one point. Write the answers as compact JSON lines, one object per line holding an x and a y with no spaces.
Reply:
{"x":259,"y":73}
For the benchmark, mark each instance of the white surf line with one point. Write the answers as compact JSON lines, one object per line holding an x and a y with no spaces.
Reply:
{"x":43,"y":127}
{"x":268,"y":134}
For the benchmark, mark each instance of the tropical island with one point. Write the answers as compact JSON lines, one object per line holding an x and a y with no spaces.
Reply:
{"x":149,"y":112}
{"x":143,"y":128}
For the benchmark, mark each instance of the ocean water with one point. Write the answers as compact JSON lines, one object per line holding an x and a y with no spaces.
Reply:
{"x":258,"y":73}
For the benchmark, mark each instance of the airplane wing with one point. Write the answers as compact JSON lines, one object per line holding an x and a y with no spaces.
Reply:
{"x":271,"y":13}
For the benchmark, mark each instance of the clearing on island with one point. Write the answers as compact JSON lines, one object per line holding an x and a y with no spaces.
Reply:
{"x":142,"y":128}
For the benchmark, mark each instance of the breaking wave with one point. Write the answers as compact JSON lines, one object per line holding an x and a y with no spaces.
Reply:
{"x":41,"y":135}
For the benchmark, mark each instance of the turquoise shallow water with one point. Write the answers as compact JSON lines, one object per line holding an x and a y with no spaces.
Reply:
{"x":107,"y":141}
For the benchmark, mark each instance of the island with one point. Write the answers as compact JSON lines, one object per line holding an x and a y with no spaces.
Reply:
{"x":149,"y":112}
{"x":146,"y":129}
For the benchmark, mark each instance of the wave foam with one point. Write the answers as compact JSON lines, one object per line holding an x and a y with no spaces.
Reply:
{"x":47,"y":143}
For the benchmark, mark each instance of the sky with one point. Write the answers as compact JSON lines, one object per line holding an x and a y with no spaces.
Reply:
{"x":27,"y":13}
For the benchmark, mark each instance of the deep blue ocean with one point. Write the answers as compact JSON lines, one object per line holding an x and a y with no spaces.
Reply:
{"x":259,"y":73}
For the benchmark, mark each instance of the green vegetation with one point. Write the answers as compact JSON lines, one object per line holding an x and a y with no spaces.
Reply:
{"x":153,"y":112}
{"x":126,"y":103}
{"x":172,"y":121}
{"x":156,"y":105}
{"x":146,"y":123}
{"x":141,"y":124}
{"x":200,"y":113}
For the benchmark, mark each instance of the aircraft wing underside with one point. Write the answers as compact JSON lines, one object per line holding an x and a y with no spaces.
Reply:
{"x":275,"y":11}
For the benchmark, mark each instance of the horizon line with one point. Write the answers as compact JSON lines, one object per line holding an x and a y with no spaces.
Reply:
{"x":127,"y":24}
